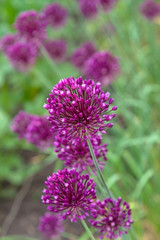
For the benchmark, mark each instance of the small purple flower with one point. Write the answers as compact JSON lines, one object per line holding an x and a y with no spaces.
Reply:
{"x":22,"y":55}
{"x":108,"y":4}
{"x":79,"y":109}
{"x":150,"y":9}
{"x":102,"y":66}
{"x":38,"y":132}
{"x":55,"y":15}
{"x":57,"y":49}
{"x":111,"y":217}
{"x":69,"y":193}
{"x":20,"y":123}
{"x":7,"y":41}
{"x":31,"y":26}
{"x":78,"y":155}
{"x":51,"y":226}
{"x":82,"y":54}
{"x":89,"y":8}
{"x":36,"y":129}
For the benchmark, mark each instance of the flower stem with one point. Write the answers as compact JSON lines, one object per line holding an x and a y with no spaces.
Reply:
{"x":87,"y":229}
{"x":98,"y":169}
{"x":50,"y":61}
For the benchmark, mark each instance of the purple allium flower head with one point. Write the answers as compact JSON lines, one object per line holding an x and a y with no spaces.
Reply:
{"x":69,"y":193}
{"x":89,"y":8}
{"x":36,"y":129}
{"x":20,"y":123}
{"x":102,"y":66}
{"x":31,"y":26}
{"x":111,"y":217}
{"x":7,"y":41}
{"x":23,"y":55}
{"x":108,"y":4}
{"x":51,"y":226}
{"x":150,"y":9}
{"x":57,"y":49}
{"x":83,"y":53}
{"x":78,"y":155}
{"x":38,"y":132}
{"x":55,"y":15}
{"x":79,"y":109}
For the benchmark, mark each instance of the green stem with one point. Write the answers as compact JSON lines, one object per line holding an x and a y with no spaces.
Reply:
{"x":50,"y":62}
{"x":87,"y":229}
{"x":42,"y":78}
{"x":98,"y":169}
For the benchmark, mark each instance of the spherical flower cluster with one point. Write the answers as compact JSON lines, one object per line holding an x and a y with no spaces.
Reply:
{"x":35,"y":129}
{"x":21,"y":122}
{"x":150,"y":9}
{"x":55,"y":15}
{"x":83,"y":53}
{"x":78,"y":155}
{"x":31,"y":26}
{"x":7,"y":41}
{"x":51,"y":226}
{"x":89,"y":8}
{"x":57,"y":49}
{"x":79,"y":109}
{"x":108,"y":4}
{"x":38,"y":132}
{"x":111,"y":217}
{"x":103,"y":67}
{"x":23,"y":55}
{"x":69,"y":193}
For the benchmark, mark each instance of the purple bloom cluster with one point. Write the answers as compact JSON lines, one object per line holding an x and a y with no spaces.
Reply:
{"x":108,"y":4}
{"x":36,"y":129}
{"x":82,"y":54}
{"x":89,"y":8}
{"x":31,"y":26}
{"x":51,"y":226}
{"x":22,"y":55}
{"x":57,"y":49}
{"x":78,"y":155}
{"x":150,"y":9}
{"x":55,"y":15}
{"x":23,"y":48}
{"x":111,"y":217}
{"x":20,"y":123}
{"x":103,"y":67}
{"x":79,"y":109}
{"x":69,"y":193}
{"x":7,"y":41}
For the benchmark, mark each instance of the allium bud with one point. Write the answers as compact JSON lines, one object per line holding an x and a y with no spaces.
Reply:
{"x":55,"y":15}
{"x":22,"y":55}
{"x":89,"y":8}
{"x":79,"y":109}
{"x":112,"y":217}
{"x":70,"y":194}
{"x":77,"y":155}
{"x":57,"y":49}
{"x":51,"y":225}
{"x":103,"y":67}
{"x":150,"y":9}
{"x":82,"y":54}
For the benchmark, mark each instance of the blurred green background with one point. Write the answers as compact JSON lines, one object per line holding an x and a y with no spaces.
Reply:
{"x":133,"y":166}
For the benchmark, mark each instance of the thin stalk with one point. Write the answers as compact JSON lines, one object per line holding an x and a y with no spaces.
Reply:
{"x":87,"y":229}
{"x":50,"y":62}
{"x":98,"y":169}
{"x":42,"y":78}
